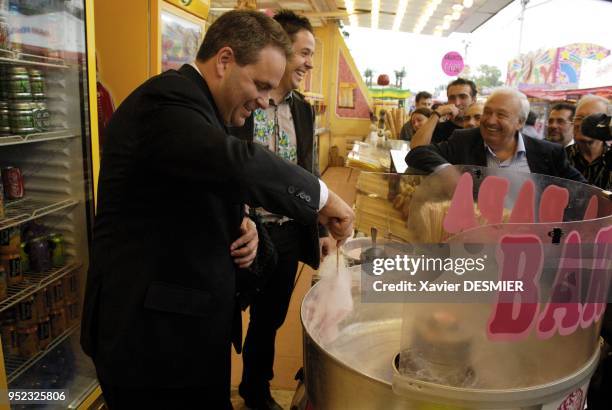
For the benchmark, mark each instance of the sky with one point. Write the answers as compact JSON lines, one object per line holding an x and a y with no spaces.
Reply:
{"x":547,"y":24}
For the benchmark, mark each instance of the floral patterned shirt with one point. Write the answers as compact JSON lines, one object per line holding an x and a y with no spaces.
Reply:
{"x":274,"y":128}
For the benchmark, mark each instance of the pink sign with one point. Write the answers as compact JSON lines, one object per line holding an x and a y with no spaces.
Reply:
{"x":452,"y":63}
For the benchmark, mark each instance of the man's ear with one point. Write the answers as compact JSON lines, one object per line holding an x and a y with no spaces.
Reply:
{"x":223,"y":59}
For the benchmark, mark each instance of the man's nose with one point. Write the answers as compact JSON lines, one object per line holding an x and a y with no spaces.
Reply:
{"x":263,"y":102}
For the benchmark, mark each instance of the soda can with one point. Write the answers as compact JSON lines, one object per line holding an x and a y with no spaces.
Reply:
{"x":56,"y":246}
{"x":12,"y":179}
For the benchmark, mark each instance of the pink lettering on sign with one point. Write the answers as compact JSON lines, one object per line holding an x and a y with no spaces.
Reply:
{"x":562,"y":313}
{"x":452,"y":63}
{"x":491,"y":196}
{"x":553,"y":203}
{"x":600,"y":279}
{"x":461,"y":214}
{"x":592,"y":208}
{"x":520,"y":258}
{"x":523,"y":207}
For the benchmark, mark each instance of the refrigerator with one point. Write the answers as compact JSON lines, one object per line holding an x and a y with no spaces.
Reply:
{"x":48,"y":146}
{"x":138,"y":39}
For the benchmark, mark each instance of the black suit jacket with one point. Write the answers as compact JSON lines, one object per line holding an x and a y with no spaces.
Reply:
{"x":160,"y":294}
{"x":466,"y":147}
{"x":303,"y":120}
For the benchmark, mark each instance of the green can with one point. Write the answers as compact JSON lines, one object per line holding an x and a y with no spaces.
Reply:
{"x":18,"y":84}
{"x":22,"y":118}
{"x":5,"y":123}
{"x":25,"y":259}
{"x":37,"y":84}
{"x":56,"y":247}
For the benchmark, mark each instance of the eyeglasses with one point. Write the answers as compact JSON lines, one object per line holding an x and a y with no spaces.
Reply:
{"x":578,"y":120}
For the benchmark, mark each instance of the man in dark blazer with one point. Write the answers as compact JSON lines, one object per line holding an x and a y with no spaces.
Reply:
{"x":160,"y":295}
{"x":286,"y":127}
{"x":497,"y":143}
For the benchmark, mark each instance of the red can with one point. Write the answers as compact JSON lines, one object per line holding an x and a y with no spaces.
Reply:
{"x":12,"y":180}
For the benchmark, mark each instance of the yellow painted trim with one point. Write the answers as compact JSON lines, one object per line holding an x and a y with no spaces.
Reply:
{"x":155,"y":8}
{"x":90,"y":399}
{"x":93,"y":95}
{"x":198,"y":8}
{"x":3,"y":383}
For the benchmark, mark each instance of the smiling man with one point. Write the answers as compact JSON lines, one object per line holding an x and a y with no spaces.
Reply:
{"x":461,"y":94}
{"x":170,"y":233}
{"x":286,"y":128}
{"x":497,"y":143}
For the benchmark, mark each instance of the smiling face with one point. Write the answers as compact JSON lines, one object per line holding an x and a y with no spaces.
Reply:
{"x":500,"y":119}
{"x":245,"y":88}
{"x":301,"y":62}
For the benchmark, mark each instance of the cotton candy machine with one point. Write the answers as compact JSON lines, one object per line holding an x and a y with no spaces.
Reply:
{"x":533,"y":350}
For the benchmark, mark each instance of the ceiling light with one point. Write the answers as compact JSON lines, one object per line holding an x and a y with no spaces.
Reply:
{"x":456,"y":15}
{"x":448,"y":17}
{"x":375,"y":13}
{"x":468,"y":3}
{"x":457,"y":7}
{"x":399,"y":15}
{"x":446,"y":25}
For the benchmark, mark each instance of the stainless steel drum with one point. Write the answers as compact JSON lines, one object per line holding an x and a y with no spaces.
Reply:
{"x":369,"y":360}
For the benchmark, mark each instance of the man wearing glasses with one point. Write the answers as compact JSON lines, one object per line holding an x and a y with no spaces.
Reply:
{"x":591,"y":157}
{"x":560,"y":124}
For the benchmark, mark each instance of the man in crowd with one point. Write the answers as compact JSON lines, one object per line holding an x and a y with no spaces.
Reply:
{"x":593,"y":158}
{"x":286,"y":128}
{"x":529,"y":129}
{"x":160,"y":300}
{"x":471,"y":118}
{"x":423,"y":100}
{"x":461,"y":94}
{"x":561,"y":124}
{"x":497,"y":143}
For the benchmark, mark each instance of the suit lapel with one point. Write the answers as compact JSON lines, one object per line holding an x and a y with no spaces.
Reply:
{"x":477,"y":149}
{"x":538,"y":161}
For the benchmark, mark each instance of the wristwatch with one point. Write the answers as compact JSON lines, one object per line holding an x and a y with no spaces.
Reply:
{"x":437,"y":113}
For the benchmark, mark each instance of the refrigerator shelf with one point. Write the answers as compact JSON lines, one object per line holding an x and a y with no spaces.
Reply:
{"x":32,"y":282}
{"x":15,"y":57}
{"x":16,"y":365}
{"x":26,"y":209}
{"x":38,"y":137}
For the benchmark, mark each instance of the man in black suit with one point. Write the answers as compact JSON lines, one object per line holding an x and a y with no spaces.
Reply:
{"x":160,"y":298}
{"x":498,"y":142}
{"x":286,"y":128}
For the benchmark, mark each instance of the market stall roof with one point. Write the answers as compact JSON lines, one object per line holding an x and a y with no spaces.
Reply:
{"x":439,"y":17}
{"x":560,"y":95}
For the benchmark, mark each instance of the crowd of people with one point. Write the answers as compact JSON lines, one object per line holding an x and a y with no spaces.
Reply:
{"x":502,"y":133}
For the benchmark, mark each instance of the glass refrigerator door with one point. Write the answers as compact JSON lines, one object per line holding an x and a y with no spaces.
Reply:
{"x":45,"y":217}
{"x":181,"y":35}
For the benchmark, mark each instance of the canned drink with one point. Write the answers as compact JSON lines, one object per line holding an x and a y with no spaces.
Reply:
{"x":2,"y":213}
{"x":10,"y":240}
{"x":25,"y":258}
{"x":12,"y":267}
{"x":44,"y":332}
{"x":40,"y":114}
{"x":12,"y":180}
{"x":4,"y":31}
{"x":5,"y":122}
{"x":56,"y":247}
{"x":18,"y":84}
{"x":21,"y":118}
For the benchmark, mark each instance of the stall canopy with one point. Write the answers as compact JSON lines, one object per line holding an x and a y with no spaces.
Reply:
{"x":558,"y":95}
{"x":439,"y":17}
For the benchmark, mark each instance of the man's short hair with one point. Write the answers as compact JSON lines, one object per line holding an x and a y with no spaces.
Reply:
{"x":246,"y":32}
{"x":592,"y":98}
{"x":292,"y":23}
{"x":564,"y":106}
{"x":532,"y":118}
{"x":522,"y":98}
{"x":463,"y":81}
{"x":422,"y":95}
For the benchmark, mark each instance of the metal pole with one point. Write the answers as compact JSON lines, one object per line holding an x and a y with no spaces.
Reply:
{"x":522,"y":18}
